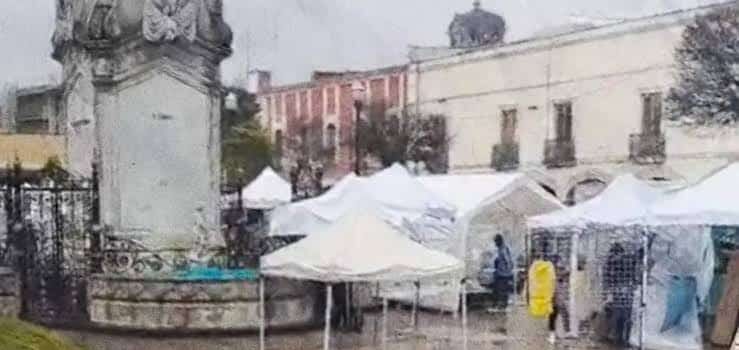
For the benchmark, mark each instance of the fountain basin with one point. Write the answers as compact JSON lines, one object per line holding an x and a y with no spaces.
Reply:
{"x":171,"y":303}
{"x":10,"y":301}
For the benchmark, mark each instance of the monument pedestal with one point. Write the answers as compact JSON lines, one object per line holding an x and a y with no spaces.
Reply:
{"x":176,"y":305}
{"x":10,"y":299}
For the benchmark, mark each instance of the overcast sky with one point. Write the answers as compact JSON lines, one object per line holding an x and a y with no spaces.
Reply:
{"x":294,"y":37}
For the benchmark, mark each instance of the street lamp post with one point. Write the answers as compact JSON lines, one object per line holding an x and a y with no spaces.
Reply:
{"x":358,"y":93}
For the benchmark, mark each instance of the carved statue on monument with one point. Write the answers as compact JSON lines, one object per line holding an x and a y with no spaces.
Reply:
{"x":103,"y":22}
{"x":207,"y":240}
{"x":64,"y":22}
{"x":211,"y":24}
{"x":167,"y":20}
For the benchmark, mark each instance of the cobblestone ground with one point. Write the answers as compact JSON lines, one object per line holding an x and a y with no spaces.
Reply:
{"x":435,"y":332}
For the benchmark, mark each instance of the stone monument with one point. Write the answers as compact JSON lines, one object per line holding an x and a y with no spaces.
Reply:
{"x":143,"y":95}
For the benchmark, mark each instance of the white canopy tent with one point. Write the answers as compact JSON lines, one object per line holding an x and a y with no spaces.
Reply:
{"x":398,"y":195}
{"x":267,"y":191}
{"x":590,"y":228}
{"x":624,"y":199}
{"x":359,"y":247}
{"x":624,"y":212}
{"x":687,"y":215}
{"x":709,"y":202}
{"x":490,"y":204}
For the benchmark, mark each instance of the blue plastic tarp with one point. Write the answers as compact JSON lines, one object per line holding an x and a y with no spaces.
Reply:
{"x":681,"y":300}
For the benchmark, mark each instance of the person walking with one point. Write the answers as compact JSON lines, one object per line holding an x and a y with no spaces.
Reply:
{"x":560,"y":308}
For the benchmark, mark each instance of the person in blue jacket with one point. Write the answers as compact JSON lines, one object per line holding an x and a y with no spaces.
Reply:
{"x":502,"y":281}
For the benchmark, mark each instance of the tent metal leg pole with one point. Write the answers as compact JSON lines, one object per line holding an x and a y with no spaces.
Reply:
{"x":464,"y":315}
{"x":377,"y":296}
{"x":572,"y":300}
{"x":327,"y":326}
{"x":642,"y":301}
{"x":262,"y":315}
{"x":416,"y":301}
{"x":347,"y":306}
{"x":384,"y":323}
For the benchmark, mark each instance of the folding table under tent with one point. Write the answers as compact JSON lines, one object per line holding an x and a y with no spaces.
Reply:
{"x":268,"y":191}
{"x":359,"y":247}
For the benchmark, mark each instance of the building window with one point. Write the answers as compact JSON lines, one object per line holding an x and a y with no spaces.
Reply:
{"x":304,"y":104}
{"x":393,"y":125}
{"x":331,"y":100}
{"x":330,"y":141}
{"x":563,"y":120}
{"x":269,"y":108}
{"x":278,"y":143}
{"x":508,"y":124}
{"x":652,"y":113}
{"x":278,"y":108}
{"x":394,"y":91}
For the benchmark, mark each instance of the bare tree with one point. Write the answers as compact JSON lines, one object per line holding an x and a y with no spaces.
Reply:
{"x":408,"y":137}
{"x":306,"y":156}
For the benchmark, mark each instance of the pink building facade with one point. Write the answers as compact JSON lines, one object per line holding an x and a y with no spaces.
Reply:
{"x":326,"y":103}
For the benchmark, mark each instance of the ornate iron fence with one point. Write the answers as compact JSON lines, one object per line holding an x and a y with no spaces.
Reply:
{"x":52,"y":239}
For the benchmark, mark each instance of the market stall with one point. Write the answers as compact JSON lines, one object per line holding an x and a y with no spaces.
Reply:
{"x":358,"y":247}
{"x":602,"y":253}
{"x":703,"y":208}
{"x":268,"y":191}
{"x":398,"y":196}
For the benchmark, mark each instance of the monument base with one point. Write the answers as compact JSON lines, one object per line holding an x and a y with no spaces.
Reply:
{"x":162,"y":304}
{"x":10,"y":301}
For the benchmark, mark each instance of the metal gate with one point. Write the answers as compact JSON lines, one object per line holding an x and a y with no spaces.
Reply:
{"x":52,"y":240}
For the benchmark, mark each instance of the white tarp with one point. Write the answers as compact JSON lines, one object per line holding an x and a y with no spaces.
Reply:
{"x":623,"y":200}
{"x":467,"y":192}
{"x":398,"y":195}
{"x":267,"y":191}
{"x":488,"y":204}
{"x":359,"y":247}
{"x":709,"y":202}
{"x":677,"y":252}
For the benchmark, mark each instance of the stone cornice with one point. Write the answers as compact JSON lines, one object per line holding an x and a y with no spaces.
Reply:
{"x":195,"y":64}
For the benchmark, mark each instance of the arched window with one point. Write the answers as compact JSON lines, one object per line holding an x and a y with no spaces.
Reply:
{"x":278,"y":143}
{"x":330,"y":141}
{"x":549,"y":189}
{"x":584,"y":191}
{"x":393,"y":125}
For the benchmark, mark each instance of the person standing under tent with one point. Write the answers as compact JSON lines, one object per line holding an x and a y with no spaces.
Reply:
{"x":502,"y":286}
{"x":620,"y":281}
{"x":560,"y":300}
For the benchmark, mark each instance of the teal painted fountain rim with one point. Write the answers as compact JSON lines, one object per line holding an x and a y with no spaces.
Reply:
{"x":173,"y":278}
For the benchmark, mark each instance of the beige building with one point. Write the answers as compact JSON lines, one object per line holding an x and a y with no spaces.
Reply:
{"x":573,"y":110}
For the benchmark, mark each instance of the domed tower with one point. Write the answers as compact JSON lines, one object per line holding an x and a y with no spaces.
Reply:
{"x":476,"y":28}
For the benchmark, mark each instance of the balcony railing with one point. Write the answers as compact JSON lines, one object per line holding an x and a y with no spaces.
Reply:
{"x":505,"y":156}
{"x":647,"y":149}
{"x":559,"y":153}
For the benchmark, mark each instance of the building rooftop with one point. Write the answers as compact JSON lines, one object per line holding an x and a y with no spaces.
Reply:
{"x":586,"y":32}
{"x":336,"y":77}
{"x":38,"y":89}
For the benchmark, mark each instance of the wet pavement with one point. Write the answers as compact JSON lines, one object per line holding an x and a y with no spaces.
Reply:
{"x":435,"y":331}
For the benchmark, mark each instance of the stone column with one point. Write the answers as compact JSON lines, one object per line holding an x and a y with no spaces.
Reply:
{"x":157,"y":97}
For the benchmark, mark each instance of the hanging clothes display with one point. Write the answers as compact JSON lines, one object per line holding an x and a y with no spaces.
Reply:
{"x":681,"y":299}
